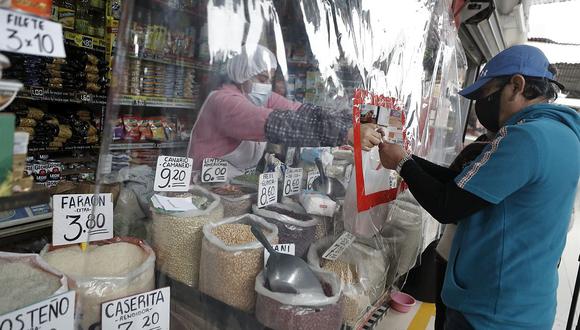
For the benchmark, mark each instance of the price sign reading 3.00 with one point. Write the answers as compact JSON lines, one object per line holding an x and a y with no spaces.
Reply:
{"x":292,"y":181}
{"x":75,"y":222}
{"x":214,"y":170}
{"x":267,"y":189}
{"x":173,"y":173}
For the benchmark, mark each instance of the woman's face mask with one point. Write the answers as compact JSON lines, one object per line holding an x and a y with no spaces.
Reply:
{"x":260,"y":93}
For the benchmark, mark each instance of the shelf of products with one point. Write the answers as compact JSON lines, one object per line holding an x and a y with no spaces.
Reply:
{"x":84,"y":41}
{"x":158,"y":102}
{"x":18,"y":200}
{"x":148,"y":145}
{"x":45,"y":94}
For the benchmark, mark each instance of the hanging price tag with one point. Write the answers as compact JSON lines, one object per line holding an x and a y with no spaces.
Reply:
{"x":26,"y":34}
{"x":173,"y":173}
{"x":312,"y":175}
{"x":53,"y":313}
{"x":338,"y":247}
{"x":292,"y":181}
{"x":75,"y":222}
{"x":144,"y":311}
{"x":267,"y":189}
{"x":214,"y":170}
{"x":290,"y":153}
{"x":289,"y":248}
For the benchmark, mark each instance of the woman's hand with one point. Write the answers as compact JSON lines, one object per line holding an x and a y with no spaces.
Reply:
{"x":391,"y":155}
{"x":369,"y":136}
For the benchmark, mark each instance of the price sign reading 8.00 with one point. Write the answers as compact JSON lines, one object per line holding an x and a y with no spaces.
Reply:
{"x":74,"y":220}
{"x":214,"y":170}
{"x":267,"y":189}
{"x":173,"y":173}
{"x":292,"y":181}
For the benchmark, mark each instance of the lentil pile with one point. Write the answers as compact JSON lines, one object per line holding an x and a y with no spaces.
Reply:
{"x":177,"y":238}
{"x":231,"y":258}
{"x":23,"y":284}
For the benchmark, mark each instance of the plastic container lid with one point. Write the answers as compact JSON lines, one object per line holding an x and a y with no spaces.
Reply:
{"x":8,"y":91}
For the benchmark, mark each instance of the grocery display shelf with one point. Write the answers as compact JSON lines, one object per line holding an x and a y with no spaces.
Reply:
{"x":148,"y":145}
{"x":64,"y":149}
{"x":84,"y":41}
{"x":51,"y":95}
{"x":30,"y":198}
{"x":156,"y":102}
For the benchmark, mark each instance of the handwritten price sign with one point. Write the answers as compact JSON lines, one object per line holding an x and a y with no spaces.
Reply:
{"x":26,"y":34}
{"x":292,"y":181}
{"x":173,"y":173}
{"x":267,"y":189}
{"x":214,"y":170}
{"x":145,"y":311}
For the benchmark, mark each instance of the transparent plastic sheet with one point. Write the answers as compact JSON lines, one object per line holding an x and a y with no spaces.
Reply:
{"x":324,"y":50}
{"x":177,"y":237}
{"x":220,"y":261}
{"x":362,"y":270}
{"x":27,"y":279}
{"x":282,"y":311}
{"x":102,"y":275}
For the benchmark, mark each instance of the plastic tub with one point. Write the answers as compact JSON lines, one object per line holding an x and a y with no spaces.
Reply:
{"x":402,"y":302}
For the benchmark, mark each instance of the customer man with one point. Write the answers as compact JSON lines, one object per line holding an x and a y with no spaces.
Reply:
{"x":513,"y":203}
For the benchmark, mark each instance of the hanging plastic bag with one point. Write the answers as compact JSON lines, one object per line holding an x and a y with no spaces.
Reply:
{"x":286,"y":311}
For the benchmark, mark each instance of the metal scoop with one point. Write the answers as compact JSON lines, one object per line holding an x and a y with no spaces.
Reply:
{"x":287,"y":273}
{"x":330,"y":187}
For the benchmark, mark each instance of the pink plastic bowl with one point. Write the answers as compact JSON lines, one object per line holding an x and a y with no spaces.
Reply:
{"x":402,"y":302}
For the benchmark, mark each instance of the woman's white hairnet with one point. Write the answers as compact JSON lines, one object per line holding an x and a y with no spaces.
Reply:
{"x":247,"y":64}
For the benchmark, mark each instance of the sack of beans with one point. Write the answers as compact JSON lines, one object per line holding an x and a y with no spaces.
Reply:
{"x":177,"y":236}
{"x":231,"y":258}
{"x":362,"y":270}
{"x":287,"y":311}
{"x":26,"y":279}
{"x":106,"y":270}
{"x":293,"y":227}
{"x":237,"y":199}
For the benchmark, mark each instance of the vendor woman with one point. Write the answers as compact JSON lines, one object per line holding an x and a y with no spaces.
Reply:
{"x":239,"y":118}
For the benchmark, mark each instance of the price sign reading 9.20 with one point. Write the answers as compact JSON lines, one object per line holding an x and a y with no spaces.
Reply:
{"x":173,"y":173}
{"x":267,"y":189}
{"x":75,"y":222}
{"x":214,"y":170}
{"x":292,"y":181}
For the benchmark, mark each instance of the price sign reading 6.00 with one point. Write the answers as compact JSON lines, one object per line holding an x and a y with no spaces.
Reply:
{"x":173,"y":173}
{"x":214,"y":170}
{"x":75,"y":222}
{"x":267,"y":189}
{"x":292,"y":181}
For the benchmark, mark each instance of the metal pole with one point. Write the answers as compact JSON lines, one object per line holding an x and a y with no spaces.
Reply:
{"x":570,"y":323}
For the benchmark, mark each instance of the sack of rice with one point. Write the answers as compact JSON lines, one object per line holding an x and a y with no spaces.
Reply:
{"x":362,"y":270}
{"x":287,"y":311}
{"x":293,"y":227}
{"x":106,"y":270}
{"x":177,"y":236}
{"x":26,"y":279}
{"x":231,"y":258}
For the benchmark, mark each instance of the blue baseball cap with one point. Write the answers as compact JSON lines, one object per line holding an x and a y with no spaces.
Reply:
{"x":526,"y":60}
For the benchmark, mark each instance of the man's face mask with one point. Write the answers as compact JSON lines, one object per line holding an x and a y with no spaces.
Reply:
{"x":487,"y":110}
{"x":260,"y":93}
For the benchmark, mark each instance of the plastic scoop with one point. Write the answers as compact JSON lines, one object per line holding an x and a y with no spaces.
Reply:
{"x":330,"y":187}
{"x":287,"y":273}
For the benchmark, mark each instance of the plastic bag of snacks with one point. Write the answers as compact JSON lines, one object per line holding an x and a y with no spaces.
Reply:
{"x":231,"y":258}
{"x":107,"y":270}
{"x":281,"y":311}
{"x":293,"y":227}
{"x":26,"y":279}
{"x":362,"y":270}
{"x":177,"y":236}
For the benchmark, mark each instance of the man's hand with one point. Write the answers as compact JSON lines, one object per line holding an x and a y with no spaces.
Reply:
{"x":391,"y":154}
{"x":369,"y":136}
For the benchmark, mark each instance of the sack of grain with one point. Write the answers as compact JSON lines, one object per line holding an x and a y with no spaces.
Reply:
{"x":231,"y":258}
{"x":237,"y":199}
{"x":293,"y":227}
{"x":107,"y":270}
{"x":287,"y":311}
{"x":26,"y":279}
{"x":177,"y":236}
{"x":362,"y":270}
